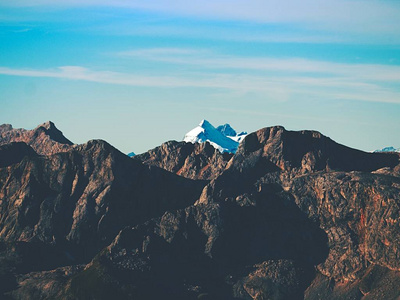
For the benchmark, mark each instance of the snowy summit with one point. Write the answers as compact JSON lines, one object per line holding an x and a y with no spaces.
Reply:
{"x":388,"y":149}
{"x":224,"y":137}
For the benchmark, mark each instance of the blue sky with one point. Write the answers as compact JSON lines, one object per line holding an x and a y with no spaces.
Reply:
{"x":138,"y":73}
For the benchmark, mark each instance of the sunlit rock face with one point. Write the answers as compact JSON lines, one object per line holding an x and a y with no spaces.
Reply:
{"x":190,"y":160}
{"x":45,"y":139}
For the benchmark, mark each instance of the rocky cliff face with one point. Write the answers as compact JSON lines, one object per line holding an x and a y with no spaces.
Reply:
{"x":45,"y":139}
{"x":291,"y":215}
{"x":190,"y":160}
{"x":63,"y":208}
{"x":353,"y":197}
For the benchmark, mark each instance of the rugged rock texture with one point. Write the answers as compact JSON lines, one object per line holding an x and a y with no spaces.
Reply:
{"x":62,"y":209}
{"x":294,"y":215}
{"x":217,"y":251}
{"x":45,"y":139}
{"x":45,"y":284}
{"x":190,"y":160}
{"x":291,"y":215}
{"x":352,"y":195}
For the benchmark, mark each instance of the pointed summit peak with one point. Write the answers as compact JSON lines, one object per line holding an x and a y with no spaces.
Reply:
{"x":49,"y":125}
{"x":53,"y":132}
{"x":45,"y":139}
{"x":217,"y":137}
{"x":204,"y":123}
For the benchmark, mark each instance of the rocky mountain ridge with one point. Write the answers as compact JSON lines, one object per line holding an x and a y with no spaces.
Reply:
{"x":63,"y":208}
{"x":45,"y":139}
{"x":291,"y":215}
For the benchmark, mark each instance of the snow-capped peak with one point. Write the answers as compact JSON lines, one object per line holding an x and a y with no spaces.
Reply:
{"x":388,"y":149}
{"x":205,"y":124}
{"x":223,"y":138}
{"x":226,"y":130}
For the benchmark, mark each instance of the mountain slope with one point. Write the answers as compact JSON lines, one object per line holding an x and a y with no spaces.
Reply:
{"x":287,"y":203}
{"x":62,"y":209}
{"x":194,"y":161}
{"x":45,"y":139}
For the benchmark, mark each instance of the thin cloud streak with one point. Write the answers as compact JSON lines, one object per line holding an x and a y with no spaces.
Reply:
{"x":371,"y":72}
{"x":266,"y":86}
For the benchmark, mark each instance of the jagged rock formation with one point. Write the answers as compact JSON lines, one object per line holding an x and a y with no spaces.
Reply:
{"x":194,"y":161}
{"x":353,"y":196}
{"x":291,"y":215}
{"x":217,"y":250}
{"x":62,"y":209}
{"x":45,"y":139}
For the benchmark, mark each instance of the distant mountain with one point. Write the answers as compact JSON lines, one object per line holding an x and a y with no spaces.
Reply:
{"x":45,"y":139}
{"x":224,"y":137}
{"x":388,"y":149}
{"x":229,"y":132}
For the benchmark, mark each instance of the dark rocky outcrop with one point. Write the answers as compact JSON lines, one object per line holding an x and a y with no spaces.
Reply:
{"x":45,"y":139}
{"x":14,"y":152}
{"x":214,"y":251}
{"x":190,"y":160}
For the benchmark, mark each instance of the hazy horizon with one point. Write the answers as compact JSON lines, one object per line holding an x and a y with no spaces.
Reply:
{"x":139,"y":74}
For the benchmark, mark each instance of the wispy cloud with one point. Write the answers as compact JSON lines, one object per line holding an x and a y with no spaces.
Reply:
{"x":344,"y":84}
{"x":209,"y":60}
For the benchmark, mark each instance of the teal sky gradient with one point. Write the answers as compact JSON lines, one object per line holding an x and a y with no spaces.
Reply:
{"x":138,"y":74}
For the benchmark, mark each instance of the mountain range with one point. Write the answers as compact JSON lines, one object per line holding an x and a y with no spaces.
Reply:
{"x":281,"y":215}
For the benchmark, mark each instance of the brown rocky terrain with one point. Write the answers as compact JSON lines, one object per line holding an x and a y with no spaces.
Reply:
{"x":194,"y":161}
{"x":292,"y":215}
{"x":63,"y":208}
{"x":45,"y":139}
